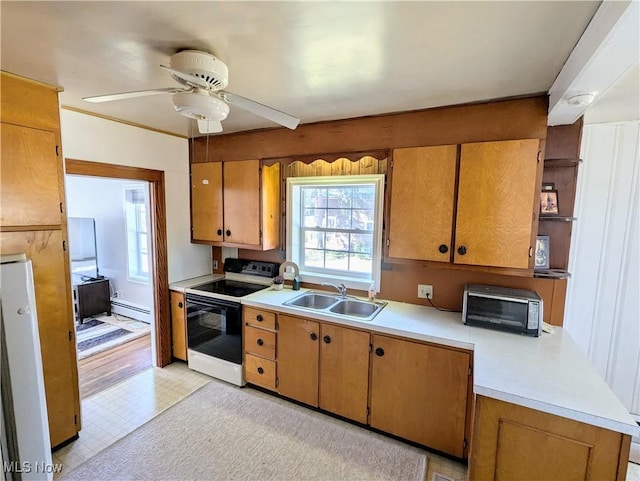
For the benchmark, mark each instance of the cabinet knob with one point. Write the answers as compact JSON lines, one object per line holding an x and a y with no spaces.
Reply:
{"x":260,"y":342}
{"x":443,"y":248}
{"x":313,"y":336}
{"x":259,"y":318}
{"x":462,"y":250}
{"x":219,"y":231}
{"x":228,"y":233}
{"x":260,"y":370}
{"x":180,"y":305}
{"x":326,"y":339}
{"x":379,"y":352}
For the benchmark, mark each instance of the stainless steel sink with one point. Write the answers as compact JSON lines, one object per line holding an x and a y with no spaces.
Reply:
{"x":352,"y":307}
{"x":337,"y":306}
{"x":313,"y":300}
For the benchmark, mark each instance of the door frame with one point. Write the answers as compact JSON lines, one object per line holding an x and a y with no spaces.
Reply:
{"x":158,"y":221}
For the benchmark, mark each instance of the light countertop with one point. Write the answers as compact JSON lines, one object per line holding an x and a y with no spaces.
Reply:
{"x":548,"y":373}
{"x":194,"y":281}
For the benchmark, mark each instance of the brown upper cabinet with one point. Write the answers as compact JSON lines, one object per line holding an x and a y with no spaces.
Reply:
{"x":488,"y":222}
{"x":236,"y":204}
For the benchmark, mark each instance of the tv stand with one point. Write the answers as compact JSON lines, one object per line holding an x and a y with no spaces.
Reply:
{"x":91,"y":298}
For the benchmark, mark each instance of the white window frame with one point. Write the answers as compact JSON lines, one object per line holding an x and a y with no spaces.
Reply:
{"x":134,"y":264}
{"x":295,"y":245}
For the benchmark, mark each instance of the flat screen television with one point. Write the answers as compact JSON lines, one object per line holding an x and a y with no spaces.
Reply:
{"x":83,"y":249}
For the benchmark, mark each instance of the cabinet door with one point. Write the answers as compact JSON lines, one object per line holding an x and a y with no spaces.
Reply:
{"x":419,"y":392}
{"x":178,"y":325}
{"x":298,"y":359}
{"x":242,"y":202}
{"x":422,"y":201}
{"x":29,"y":177}
{"x":55,"y":323}
{"x":206,"y":202}
{"x":344,"y":372}
{"x":496,"y":201}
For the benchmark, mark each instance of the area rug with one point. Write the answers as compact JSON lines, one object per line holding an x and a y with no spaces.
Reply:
{"x":226,"y":433}
{"x":97,"y":335}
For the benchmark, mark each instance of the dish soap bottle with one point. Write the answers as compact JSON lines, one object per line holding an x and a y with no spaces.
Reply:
{"x":372,"y":292}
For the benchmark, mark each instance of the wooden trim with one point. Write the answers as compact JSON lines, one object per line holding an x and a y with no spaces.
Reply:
{"x":623,"y":462}
{"x":99,"y":169}
{"x":159,"y":268}
{"x":332,"y":157}
{"x":121,"y":121}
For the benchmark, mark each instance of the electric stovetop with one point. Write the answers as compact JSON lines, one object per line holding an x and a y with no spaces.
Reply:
{"x":230,"y":288}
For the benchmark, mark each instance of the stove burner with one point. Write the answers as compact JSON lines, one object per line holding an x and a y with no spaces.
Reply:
{"x":230,"y":288}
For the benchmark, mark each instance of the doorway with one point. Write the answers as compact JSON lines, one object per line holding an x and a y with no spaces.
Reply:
{"x":161,"y":349}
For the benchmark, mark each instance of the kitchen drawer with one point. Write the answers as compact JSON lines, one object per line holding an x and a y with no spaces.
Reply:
{"x":259,"y":371}
{"x":260,"y":342}
{"x":260,"y":318}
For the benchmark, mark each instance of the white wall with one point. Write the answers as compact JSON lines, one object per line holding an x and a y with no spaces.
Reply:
{"x":85,"y":137}
{"x":103,"y":199}
{"x":603,"y":300}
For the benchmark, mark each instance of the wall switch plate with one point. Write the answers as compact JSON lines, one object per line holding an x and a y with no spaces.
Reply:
{"x":215,"y":265}
{"x":425,"y":291}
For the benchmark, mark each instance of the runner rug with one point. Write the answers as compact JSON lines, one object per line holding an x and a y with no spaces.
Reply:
{"x":222,"y":432}
{"x":94,"y":336}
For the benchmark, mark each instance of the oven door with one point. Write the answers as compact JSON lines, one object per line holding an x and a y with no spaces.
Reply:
{"x":214,"y":327}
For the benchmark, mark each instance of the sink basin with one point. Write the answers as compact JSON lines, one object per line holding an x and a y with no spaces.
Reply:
{"x":313,"y":300}
{"x":355,"y":308}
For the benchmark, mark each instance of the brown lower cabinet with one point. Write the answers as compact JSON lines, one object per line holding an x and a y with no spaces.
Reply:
{"x":178,"y":325}
{"x":419,"y":392}
{"x":517,"y":443}
{"x":409,"y":389}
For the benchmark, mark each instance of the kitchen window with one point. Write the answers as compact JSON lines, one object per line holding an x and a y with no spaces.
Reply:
{"x":136,"y":213}
{"x":334,"y":228}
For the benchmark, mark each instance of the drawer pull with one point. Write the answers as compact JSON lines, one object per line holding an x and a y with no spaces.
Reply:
{"x":180,"y":305}
{"x":379,"y":352}
{"x":259,"y":318}
{"x":462,"y":250}
{"x":228,"y":233}
{"x":219,"y":231}
{"x":443,"y":248}
{"x":260,"y":370}
{"x":313,"y":336}
{"x":326,"y":339}
{"x":260,"y":342}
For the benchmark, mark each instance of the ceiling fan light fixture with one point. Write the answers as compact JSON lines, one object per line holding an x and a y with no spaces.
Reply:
{"x":200,"y":106}
{"x":202,"y":65}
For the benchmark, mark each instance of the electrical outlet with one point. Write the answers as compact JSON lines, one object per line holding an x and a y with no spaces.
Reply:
{"x":215,"y":265}
{"x":116,"y":294}
{"x":425,"y":291}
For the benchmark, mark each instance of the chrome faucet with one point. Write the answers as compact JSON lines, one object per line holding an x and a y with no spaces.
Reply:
{"x":342,"y":289}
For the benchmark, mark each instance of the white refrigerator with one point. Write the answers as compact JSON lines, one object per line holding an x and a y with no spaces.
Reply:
{"x":26,"y":449}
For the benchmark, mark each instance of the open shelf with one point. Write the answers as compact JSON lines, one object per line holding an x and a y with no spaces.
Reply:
{"x":552,"y":274}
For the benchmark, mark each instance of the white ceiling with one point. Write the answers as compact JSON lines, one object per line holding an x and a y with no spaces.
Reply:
{"x":315,"y":60}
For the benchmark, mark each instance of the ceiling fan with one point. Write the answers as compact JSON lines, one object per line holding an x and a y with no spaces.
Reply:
{"x":203,"y":78}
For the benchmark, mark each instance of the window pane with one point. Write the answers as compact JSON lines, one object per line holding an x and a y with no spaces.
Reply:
{"x":337,"y":260}
{"x":361,"y":262}
{"x":362,"y":243}
{"x":314,"y":240}
{"x":314,"y":197}
{"x":339,"y":197}
{"x":363,"y":219}
{"x":313,"y":258}
{"x":339,"y":219}
{"x":364,"y":197}
{"x":315,"y":218}
{"x":338,"y":241}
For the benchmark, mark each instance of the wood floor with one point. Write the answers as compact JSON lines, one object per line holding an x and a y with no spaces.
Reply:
{"x":99,"y":372}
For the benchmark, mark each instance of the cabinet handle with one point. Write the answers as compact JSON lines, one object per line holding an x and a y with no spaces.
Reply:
{"x":260,"y":342}
{"x":313,"y":336}
{"x":326,"y":339}
{"x":260,"y":370}
{"x":379,"y":352}
{"x":180,"y":305}
{"x":462,"y":250}
{"x":219,"y":231}
{"x":259,"y":318}
{"x":228,"y":233}
{"x":443,"y":248}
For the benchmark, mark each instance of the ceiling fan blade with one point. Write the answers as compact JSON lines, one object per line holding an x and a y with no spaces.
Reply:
{"x":129,"y":95}
{"x":259,"y":109}
{"x":191,"y":79}
{"x":209,"y":126}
